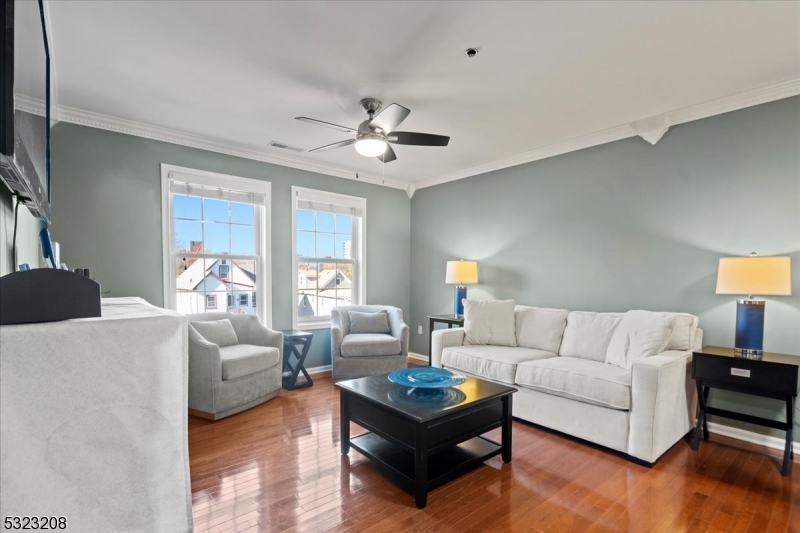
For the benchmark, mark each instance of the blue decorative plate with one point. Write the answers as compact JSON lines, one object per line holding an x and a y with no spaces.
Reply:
{"x":443,"y":397}
{"x":426,"y":377}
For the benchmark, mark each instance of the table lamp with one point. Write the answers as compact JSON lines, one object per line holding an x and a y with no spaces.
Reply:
{"x":768,"y":276}
{"x":461,"y":273}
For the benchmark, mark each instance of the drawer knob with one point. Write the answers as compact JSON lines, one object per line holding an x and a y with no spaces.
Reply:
{"x":741,"y":372}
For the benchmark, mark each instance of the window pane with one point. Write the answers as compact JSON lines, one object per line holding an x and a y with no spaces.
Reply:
{"x":188,"y":236}
{"x":215,"y":210}
{"x":325,"y":222}
{"x":243,"y":240}
{"x":344,"y":248}
{"x":305,"y":244}
{"x":305,"y":219}
{"x":243,"y":213}
{"x":192,"y":284}
{"x":187,"y":206}
{"x":307,"y":277}
{"x":344,"y":224}
{"x":324,"y":245}
{"x":243,"y":275}
{"x":217,"y":238}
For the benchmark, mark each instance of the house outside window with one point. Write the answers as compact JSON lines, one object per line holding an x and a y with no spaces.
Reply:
{"x":328,"y":253}
{"x":216,"y":238}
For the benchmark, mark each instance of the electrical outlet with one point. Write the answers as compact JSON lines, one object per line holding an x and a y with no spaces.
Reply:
{"x":419,"y":330}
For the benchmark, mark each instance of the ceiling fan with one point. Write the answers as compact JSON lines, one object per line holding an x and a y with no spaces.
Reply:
{"x":374,"y":135}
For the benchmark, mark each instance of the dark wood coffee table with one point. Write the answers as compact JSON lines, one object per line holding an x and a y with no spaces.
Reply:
{"x":421,"y":443}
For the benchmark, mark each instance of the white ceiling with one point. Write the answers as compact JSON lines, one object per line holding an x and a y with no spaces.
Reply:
{"x":239,"y":72}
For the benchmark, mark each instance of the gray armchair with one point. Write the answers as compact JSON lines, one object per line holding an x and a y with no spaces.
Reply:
{"x":355,"y":355}
{"x":225,"y":380}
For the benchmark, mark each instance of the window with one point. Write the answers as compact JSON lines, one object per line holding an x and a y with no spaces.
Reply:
{"x":216,"y":242}
{"x":253,"y":299}
{"x":328,"y":252}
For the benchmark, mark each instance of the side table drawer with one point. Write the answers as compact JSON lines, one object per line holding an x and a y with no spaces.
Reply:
{"x":772,"y":377}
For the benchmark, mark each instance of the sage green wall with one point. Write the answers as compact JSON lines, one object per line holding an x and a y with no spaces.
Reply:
{"x":107,"y":217}
{"x":27,"y":235}
{"x":626,"y":225}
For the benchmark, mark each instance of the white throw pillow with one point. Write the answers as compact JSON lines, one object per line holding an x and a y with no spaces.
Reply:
{"x":540,"y":328}
{"x":489,"y":322}
{"x":219,"y":332}
{"x":640,"y":334}
{"x":682,"y":337}
{"x":587,"y":334}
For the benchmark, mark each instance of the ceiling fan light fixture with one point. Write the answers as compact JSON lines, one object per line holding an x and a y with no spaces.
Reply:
{"x":371,"y":145}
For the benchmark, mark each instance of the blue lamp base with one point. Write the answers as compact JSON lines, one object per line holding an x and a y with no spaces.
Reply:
{"x":749,"y":328}
{"x":458,"y":303}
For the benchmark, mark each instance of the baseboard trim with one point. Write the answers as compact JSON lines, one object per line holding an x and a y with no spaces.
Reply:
{"x":418,"y":357}
{"x":752,"y":437}
{"x":324,"y":369}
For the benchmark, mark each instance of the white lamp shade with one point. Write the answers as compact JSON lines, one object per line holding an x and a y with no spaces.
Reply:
{"x":767,"y":276}
{"x":462,"y":272}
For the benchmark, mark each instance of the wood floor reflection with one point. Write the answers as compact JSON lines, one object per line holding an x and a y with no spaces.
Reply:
{"x":277,"y":467}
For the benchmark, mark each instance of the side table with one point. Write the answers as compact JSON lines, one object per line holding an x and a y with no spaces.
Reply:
{"x":450,"y":320}
{"x":771,"y":376}
{"x":292,"y":340}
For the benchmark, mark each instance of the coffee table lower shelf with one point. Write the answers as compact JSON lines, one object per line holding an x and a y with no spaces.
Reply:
{"x":397,"y":463}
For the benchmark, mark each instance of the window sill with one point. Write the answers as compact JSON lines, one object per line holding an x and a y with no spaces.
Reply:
{"x":317,"y":324}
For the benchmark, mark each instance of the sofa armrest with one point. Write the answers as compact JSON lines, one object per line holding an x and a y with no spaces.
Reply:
{"x":663,"y":402}
{"x":444,"y":338}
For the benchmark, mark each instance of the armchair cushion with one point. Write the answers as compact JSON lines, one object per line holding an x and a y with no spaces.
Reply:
{"x":219,"y":332}
{"x":369,"y":322}
{"x":244,"y":359}
{"x":370,"y":344}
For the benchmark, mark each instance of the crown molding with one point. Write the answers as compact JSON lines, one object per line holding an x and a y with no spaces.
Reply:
{"x":762,"y":95}
{"x":138,"y":129}
{"x":717,"y":106}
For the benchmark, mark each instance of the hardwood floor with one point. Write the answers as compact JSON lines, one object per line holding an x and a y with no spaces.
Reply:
{"x":277,"y":467}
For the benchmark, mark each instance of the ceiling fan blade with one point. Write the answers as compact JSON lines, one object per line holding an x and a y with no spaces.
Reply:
{"x":348,"y":142}
{"x":388,"y":156}
{"x":390,"y":117}
{"x":327,"y":124}
{"x":418,"y":139}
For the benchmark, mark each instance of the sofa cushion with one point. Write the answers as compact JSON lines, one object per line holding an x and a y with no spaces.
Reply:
{"x":369,"y":322}
{"x":540,"y":327}
{"x":369,"y":344}
{"x":219,"y":332}
{"x":587,"y":334}
{"x":683,"y":332}
{"x":579,"y":379}
{"x":241,"y":360}
{"x":639,"y":334}
{"x":498,"y":363}
{"x":489,"y":322}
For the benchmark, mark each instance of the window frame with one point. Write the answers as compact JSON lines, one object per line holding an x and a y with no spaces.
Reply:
{"x":208,"y":305}
{"x":358,"y":251}
{"x":263,"y":228}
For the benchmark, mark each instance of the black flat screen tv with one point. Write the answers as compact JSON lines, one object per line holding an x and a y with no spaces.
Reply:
{"x":25,"y":101}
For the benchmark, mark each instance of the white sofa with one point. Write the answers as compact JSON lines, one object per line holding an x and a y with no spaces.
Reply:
{"x":558,"y":363}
